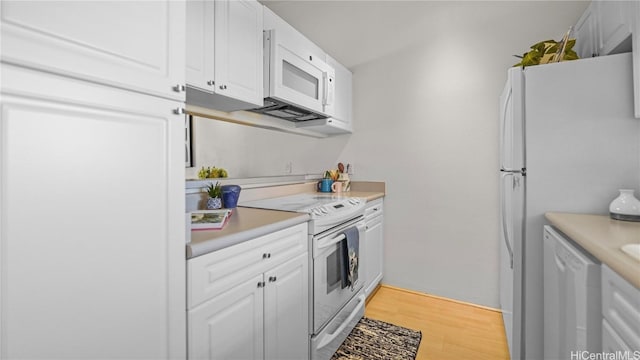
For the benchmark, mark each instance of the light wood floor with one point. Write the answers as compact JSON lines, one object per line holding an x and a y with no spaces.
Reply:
{"x":450,"y":330}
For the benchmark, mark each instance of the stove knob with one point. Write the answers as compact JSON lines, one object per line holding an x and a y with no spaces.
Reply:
{"x":324,"y":210}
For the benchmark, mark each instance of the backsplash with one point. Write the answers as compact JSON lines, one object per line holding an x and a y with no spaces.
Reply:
{"x":246,"y":151}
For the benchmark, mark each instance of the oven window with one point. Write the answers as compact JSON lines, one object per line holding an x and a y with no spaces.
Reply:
{"x":334,"y":269}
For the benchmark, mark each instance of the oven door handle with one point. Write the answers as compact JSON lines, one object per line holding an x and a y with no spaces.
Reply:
{"x":325,"y":243}
{"x":331,"y":336}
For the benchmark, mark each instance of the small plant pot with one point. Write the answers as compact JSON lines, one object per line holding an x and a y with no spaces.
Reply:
{"x":214,"y":203}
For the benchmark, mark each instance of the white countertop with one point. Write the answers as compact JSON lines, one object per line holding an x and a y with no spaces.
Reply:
{"x":244,"y":224}
{"x":248,"y":223}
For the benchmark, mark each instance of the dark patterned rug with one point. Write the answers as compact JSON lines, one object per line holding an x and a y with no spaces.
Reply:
{"x":374,"y":339}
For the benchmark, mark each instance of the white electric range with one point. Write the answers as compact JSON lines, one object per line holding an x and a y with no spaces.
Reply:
{"x":336,"y":308}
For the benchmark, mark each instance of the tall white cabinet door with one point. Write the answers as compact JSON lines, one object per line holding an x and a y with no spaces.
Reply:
{"x":137,"y":45}
{"x":91,"y":221}
{"x":229,"y":326}
{"x":374,"y":236}
{"x":286,"y":307}
{"x":238,"y":52}
{"x":200,"y":45}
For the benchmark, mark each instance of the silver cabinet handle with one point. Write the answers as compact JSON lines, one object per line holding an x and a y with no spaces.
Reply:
{"x":272,"y":279}
{"x":266,"y":255}
{"x":261,"y":284}
{"x":179,"y":88}
{"x":223,"y":87}
{"x":178,"y":111}
{"x":211,"y":82}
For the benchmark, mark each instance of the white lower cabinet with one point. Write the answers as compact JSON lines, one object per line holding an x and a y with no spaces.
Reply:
{"x":372,"y":263}
{"x":261,"y":310}
{"x":230,"y":325}
{"x":621,"y":312}
{"x":286,"y":310}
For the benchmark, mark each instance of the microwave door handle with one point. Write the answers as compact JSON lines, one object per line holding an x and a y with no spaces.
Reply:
{"x":325,"y":243}
{"x":325,"y":88}
{"x":328,"y":91}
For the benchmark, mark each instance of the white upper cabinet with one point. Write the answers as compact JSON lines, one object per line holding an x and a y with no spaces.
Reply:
{"x":143,"y":52}
{"x":611,"y":27}
{"x":200,"y":48}
{"x":225,"y":54}
{"x":614,"y":19}
{"x":605,"y":28}
{"x":586,"y":34}
{"x":342,"y":106}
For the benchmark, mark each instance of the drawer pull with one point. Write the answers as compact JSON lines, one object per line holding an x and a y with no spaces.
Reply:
{"x":266,"y":255}
{"x":272,"y":279}
{"x":261,"y":284}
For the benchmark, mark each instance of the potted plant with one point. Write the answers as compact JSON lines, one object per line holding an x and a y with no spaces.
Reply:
{"x":215,"y":196}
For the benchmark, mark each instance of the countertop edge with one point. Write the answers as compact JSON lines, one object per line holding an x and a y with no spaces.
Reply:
{"x":607,"y":254}
{"x":198,"y":249}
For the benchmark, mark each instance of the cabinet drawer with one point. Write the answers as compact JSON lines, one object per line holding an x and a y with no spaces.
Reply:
{"x":209,"y":275}
{"x":621,"y":307}
{"x":374,"y":208}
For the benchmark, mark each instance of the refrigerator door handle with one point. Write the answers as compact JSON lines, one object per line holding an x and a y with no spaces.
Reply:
{"x":504,"y":220}
{"x":503,"y":128}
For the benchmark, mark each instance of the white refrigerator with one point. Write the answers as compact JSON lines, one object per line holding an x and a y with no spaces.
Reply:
{"x":568,"y":142}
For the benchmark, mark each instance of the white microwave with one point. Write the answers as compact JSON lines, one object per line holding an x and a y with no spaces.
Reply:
{"x":296,"y":87}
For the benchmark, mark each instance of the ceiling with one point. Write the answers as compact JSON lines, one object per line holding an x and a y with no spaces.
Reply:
{"x":356,"y":32}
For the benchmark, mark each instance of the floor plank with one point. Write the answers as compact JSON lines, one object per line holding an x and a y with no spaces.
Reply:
{"x":450,"y":330}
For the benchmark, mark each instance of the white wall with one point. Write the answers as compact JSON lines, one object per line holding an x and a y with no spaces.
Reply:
{"x":426,"y":122}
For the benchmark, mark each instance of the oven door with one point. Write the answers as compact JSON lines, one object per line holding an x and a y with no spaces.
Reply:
{"x":296,"y":80}
{"x":329,"y":295}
